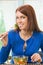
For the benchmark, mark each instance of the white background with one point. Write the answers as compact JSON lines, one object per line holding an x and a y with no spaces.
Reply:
{"x":8,"y":7}
{"x":38,"y":7}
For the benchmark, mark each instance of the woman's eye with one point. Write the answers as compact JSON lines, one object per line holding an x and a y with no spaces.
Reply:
{"x":17,"y":17}
{"x":22,"y":17}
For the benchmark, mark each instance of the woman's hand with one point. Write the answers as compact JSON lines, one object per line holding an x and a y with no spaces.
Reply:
{"x":36,"y":58}
{"x":4,"y":38}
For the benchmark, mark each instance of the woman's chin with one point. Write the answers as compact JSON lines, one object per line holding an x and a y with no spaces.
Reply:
{"x":21,"y":28}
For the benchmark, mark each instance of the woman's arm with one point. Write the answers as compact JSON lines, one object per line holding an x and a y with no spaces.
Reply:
{"x":42,"y":47}
{"x":4,"y":52}
{"x":4,"y":38}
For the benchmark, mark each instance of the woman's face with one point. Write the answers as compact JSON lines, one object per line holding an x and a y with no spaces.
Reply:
{"x":22,"y":21}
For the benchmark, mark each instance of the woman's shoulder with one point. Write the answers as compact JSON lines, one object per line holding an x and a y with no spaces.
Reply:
{"x":39,"y":34}
{"x":12,"y":32}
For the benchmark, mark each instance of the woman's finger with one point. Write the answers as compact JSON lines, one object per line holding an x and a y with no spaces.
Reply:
{"x":3,"y":35}
{"x":36,"y":57}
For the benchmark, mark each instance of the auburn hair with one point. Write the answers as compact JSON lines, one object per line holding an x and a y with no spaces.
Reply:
{"x":28,"y":10}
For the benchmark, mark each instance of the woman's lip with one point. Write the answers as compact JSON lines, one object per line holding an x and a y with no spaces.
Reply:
{"x":20,"y":25}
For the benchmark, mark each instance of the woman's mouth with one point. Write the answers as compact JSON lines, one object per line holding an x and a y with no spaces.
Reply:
{"x":21,"y":25}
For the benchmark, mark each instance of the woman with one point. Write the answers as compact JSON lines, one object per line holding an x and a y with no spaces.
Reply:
{"x":27,"y":39}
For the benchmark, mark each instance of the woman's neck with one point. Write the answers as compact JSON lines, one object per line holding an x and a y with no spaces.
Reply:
{"x":25,"y":34}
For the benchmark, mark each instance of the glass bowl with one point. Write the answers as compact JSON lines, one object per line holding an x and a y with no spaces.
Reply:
{"x":20,"y":60}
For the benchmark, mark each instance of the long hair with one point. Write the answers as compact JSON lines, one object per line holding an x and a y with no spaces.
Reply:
{"x":30,"y":13}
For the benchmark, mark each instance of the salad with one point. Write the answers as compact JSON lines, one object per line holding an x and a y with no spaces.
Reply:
{"x":20,"y":60}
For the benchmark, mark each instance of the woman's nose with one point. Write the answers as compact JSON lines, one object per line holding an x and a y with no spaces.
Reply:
{"x":19,"y":20}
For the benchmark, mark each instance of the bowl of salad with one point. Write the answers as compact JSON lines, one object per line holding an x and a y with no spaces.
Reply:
{"x":20,"y":60}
